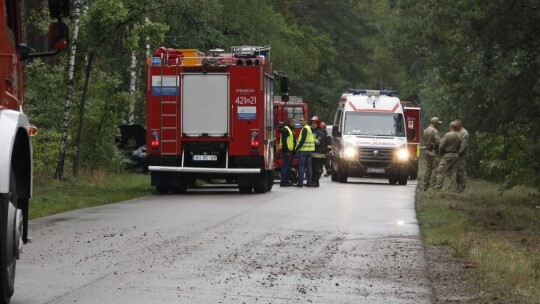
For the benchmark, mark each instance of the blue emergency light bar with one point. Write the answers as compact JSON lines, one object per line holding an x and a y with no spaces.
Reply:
{"x":364,"y":92}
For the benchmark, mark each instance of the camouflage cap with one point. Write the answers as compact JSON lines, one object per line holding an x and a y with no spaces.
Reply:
{"x":436,"y":120}
{"x":453,"y":124}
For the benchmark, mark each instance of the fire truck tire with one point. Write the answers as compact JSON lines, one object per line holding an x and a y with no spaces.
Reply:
{"x":179,"y":189}
{"x":341,"y":173}
{"x":262,"y":183}
{"x":8,"y":261}
{"x":163,"y":189}
{"x":414,"y":170}
{"x":270,"y":184}
{"x":245,"y":189}
{"x":393,"y":179}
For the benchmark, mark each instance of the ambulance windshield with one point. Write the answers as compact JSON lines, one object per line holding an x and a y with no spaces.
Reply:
{"x":374,"y":124}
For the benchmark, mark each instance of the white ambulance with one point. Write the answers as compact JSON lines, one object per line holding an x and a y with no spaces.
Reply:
{"x":370,"y":137}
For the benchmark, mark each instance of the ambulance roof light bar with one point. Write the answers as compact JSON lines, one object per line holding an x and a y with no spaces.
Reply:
{"x":372,"y":92}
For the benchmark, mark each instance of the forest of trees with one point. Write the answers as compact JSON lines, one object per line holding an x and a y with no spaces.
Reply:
{"x":474,"y":60}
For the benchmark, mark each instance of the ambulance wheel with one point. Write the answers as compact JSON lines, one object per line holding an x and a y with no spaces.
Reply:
{"x":341,"y":173}
{"x":392,"y":179}
{"x":245,"y":189}
{"x":163,"y":189}
{"x":9,"y":240}
{"x":402,"y":179}
{"x":333,"y":176}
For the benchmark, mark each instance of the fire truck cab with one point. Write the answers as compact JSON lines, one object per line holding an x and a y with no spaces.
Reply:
{"x":369,"y":137}
{"x":210,"y":116}
{"x":15,"y":133}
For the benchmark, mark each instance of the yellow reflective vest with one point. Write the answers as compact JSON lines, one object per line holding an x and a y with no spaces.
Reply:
{"x":290,"y":140}
{"x":309,"y":144}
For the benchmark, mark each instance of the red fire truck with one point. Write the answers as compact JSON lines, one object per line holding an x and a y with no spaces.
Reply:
{"x":293,"y":107}
{"x":15,"y":133}
{"x":412,"y":119}
{"x":210,"y":116}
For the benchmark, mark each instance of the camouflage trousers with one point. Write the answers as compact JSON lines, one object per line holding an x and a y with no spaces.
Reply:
{"x":461,"y":175}
{"x":430,"y":177}
{"x":447,"y":166}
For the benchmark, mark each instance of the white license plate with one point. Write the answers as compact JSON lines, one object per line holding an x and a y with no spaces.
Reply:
{"x":204,"y":157}
{"x":375,"y":170}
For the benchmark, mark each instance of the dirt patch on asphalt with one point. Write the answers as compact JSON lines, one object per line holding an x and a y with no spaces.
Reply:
{"x":453,"y":278}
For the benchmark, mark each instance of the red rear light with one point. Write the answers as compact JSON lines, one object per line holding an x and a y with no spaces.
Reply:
{"x":155,"y":140}
{"x":254,"y":139}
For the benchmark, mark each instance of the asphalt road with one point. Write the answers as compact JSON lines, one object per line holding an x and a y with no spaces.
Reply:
{"x":340,"y":243}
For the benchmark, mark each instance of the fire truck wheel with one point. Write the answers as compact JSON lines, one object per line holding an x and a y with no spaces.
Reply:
{"x":270,"y":182}
{"x":8,"y":241}
{"x":163,"y":189}
{"x":245,"y":189}
{"x":179,"y":189}
{"x":414,"y":170}
{"x":393,"y":179}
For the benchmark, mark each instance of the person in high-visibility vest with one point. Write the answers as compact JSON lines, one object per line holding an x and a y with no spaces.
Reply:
{"x":304,"y":148}
{"x":287,"y":143}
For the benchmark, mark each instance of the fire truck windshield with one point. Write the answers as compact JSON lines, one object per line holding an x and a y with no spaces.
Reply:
{"x":374,"y":124}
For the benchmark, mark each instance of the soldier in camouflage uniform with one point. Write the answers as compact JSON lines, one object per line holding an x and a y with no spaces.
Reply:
{"x":432,"y":140}
{"x":461,"y":171}
{"x":449,"y":152}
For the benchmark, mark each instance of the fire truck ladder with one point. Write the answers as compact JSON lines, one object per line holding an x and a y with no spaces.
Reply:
{"x":163,"y":104}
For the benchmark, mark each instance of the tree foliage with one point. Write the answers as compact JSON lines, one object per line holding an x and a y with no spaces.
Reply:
{"x":474,"y":60}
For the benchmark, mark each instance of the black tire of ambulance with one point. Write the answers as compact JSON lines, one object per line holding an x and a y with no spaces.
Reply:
{"x":7,"y":268}
{"x":342,"y":172}
{"x":402,"y":179}
{"x":392,"y":179}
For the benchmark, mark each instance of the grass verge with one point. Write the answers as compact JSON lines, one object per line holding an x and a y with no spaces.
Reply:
{"x":498,"y":231}
{"x":89,"y":190}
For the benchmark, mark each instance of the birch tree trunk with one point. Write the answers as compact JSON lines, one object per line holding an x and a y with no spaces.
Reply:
{"x":132,"y":87}
{"x":67,"y":101}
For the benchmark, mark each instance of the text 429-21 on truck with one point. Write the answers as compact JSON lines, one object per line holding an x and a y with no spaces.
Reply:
{"x":210,"y":116}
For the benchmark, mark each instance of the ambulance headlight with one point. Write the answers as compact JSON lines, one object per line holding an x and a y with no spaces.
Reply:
{"x":350,"y":152}
{"x":402,"y":154}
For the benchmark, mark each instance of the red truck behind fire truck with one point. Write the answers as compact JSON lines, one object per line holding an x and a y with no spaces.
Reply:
{"x":15,"y":133}
{"x":210,"y":116}
{"x":285,"y":108}
{"x":412,"y":120}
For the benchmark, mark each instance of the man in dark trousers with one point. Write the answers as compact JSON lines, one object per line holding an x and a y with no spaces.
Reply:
{"x":287,"y":144}
{"x":319,"y":155}
{"x":304,"y":148}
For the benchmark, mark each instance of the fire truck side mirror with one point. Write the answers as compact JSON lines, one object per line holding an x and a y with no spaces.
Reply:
{"x":284,"y":85}
{"x":59,"y":8}
{"x":58,"y":35}
{"x":24,"y":51}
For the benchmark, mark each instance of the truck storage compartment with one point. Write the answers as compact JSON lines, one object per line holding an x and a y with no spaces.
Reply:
{"x":205,"y":110}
